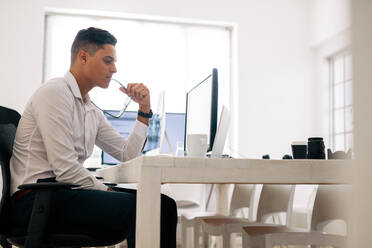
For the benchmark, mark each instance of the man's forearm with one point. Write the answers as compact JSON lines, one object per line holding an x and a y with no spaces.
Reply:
{"x":143,"y":120}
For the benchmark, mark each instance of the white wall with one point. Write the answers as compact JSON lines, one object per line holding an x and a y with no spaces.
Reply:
{"x":329,"y":17}
{"x":274,"y":77}
{"x":273,"y":56}
{"x":331,"y":33}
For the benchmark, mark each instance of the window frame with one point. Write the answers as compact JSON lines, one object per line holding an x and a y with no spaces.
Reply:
{"x":343,"y":54}
{"x":230,"y":26}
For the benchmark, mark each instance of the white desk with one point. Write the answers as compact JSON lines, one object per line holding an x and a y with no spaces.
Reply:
{"x":150,"y":172}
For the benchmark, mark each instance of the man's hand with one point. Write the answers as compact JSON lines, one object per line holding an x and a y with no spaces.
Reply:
{"x":140,"y":94}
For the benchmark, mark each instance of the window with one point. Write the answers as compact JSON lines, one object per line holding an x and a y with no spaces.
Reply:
{"x":165,"y":56}
{"x":341,"y":82}
{"x":170,"y":56}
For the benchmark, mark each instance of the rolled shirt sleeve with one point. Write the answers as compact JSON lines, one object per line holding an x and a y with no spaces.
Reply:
{"x":110,"y":140}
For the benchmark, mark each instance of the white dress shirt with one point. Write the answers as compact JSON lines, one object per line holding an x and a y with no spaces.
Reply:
{"x":57,"y":133}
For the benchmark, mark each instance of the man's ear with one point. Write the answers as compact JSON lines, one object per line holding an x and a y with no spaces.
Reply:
{"x":82,"y":56}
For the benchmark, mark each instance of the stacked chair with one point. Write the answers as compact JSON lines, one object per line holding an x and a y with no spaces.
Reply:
{"x":329,"y":220}
{"x":241,"y":204}
{"x":270,"y":205}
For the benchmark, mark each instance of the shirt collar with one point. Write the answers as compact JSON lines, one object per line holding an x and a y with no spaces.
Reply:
{"x":89,"y":105}
{"x":71,"y":81}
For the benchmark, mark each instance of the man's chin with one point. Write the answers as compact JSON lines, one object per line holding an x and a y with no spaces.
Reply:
{"x":104,"y":85}
{"x":107,"y":83}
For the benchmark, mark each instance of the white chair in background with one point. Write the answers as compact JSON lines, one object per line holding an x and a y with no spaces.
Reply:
{"x":240,"y":197}
{"x":328,"y":223}
{"x":188,"y":197}
{"x":190,"y":218}
{"x":303,"y":206}
{"x":273,"y":207}
{"x":191,"y":200}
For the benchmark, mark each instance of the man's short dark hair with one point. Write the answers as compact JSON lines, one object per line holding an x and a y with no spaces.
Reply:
{"x":90,"y":40}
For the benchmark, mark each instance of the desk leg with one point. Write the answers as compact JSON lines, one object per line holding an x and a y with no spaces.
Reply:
{"x":148,"y":208}
{"x":223,"y":198}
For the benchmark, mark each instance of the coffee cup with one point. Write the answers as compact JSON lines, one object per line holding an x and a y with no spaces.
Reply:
{"x":197,"y":145}
{"x":299,"y":149}
{"x":315,"y":148}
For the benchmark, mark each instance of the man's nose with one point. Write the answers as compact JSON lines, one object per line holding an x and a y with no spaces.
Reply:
{"x":113,"y":68}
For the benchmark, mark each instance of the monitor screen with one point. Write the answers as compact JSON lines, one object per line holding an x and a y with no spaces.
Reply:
{"x":124,"y":125}
{"x":201,"y":109}
{"x":174,"y":130}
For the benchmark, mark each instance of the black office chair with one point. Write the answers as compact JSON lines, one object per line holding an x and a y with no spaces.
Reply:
{"x":36,"y":235}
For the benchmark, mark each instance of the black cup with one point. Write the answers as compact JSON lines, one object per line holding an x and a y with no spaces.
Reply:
{"x":299,"y":150}
{"x":315,"y":148}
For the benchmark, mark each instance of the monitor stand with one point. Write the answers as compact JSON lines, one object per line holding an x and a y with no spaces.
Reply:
{"x":221,"y":134}
{"x":219,"y":141}
{"x":156,"y":151}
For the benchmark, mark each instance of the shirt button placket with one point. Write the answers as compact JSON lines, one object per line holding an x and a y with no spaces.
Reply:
{"x":85,"y":132}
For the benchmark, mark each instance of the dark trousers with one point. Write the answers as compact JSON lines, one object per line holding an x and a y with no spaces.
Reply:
{"x":104,"y":214}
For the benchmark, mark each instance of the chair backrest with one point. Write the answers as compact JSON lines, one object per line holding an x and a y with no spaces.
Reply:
{"x":9,"y":120}
{"x":8,"y":115}
{"x":187,"y":195}
{"x":241,"y":200}
{"x":332,"y":202}
{"x":274,"y":201}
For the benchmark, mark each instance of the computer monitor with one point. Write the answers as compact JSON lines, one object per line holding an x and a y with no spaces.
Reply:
{"x":124,"y":125}
{"x":175,"y":129}
{"x":202,"y":108}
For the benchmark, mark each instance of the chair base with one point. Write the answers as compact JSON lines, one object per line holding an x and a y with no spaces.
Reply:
{"x":63,"y":240}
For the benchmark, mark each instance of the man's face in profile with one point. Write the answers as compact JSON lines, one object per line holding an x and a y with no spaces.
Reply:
{"x":100,"y":67}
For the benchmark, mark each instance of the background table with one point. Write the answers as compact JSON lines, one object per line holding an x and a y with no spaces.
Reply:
{"x":149,"y":172}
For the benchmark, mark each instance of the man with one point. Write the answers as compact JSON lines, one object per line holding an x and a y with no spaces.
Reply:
{"x":57,"y":133}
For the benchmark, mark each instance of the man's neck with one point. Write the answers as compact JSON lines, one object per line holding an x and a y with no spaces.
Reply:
{"x":82,"y":82}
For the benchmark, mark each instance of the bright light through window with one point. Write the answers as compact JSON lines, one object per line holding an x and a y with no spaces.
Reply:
{"x":164,"y":56}
{"x":342,"y":101}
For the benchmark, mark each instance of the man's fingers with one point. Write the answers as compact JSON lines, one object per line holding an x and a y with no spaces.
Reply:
{"x":137,"y":91}
{"x":123,"y":90}
{"x":143,"y":93}
{"x":132,"y":89}
{"x":140,"y":91}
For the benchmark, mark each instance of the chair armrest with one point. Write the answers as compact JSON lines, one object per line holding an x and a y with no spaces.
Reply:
{"x":50,"y":186}
{"x":110,"y":184}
